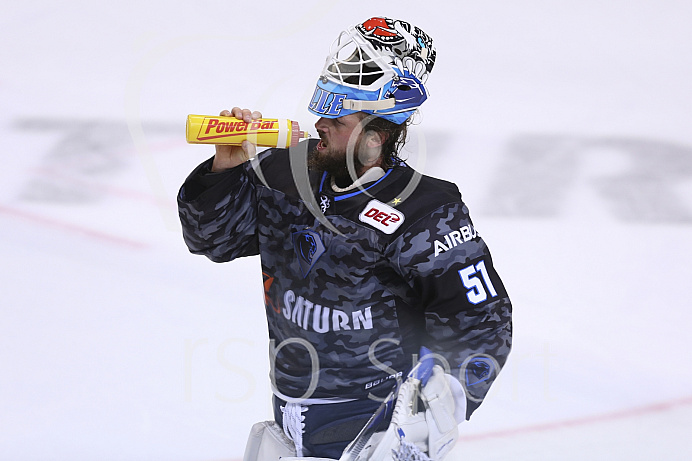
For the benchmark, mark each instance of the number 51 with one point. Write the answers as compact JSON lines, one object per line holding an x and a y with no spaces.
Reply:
{"x":477,"y":289}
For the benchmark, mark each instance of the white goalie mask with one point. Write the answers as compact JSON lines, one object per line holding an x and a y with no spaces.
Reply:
{"x":379,"y":67}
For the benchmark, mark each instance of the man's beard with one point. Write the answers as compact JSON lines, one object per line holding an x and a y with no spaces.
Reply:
{"x":335,"y":164}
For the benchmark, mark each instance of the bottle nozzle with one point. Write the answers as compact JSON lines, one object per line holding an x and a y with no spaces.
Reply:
{"x":297,"y":134}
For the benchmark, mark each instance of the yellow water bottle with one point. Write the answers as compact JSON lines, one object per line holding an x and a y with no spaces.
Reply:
{"x":264,"y":132}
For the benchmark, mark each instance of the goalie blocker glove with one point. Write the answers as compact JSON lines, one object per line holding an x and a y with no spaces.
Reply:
{"x":414,"y":434}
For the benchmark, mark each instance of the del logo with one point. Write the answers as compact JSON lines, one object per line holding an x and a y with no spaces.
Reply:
{"x":382,"y":217}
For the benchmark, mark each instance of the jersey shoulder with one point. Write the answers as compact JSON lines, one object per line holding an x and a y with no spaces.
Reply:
{"x":430,"y":194}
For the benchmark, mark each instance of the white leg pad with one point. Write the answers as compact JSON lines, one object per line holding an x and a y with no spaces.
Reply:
{"x":267,"y":442}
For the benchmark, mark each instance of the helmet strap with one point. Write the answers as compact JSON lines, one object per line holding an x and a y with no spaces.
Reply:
{"x":361,"y":105}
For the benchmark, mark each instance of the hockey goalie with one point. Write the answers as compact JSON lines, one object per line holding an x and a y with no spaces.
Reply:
{"x":364,"y":261}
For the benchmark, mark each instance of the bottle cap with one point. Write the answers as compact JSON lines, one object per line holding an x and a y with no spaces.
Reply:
{"x":296,"y":134}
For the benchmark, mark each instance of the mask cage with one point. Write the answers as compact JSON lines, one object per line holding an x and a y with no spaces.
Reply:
{"x":354,"y":62}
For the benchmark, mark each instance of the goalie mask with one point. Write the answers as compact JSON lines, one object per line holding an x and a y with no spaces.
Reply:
{"x":379,"y":67}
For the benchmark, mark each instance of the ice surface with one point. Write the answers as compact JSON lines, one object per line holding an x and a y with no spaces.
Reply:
{"x":565,"y":124}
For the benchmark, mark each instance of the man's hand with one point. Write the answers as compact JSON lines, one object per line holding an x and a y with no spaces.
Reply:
{"x":231,"y":156}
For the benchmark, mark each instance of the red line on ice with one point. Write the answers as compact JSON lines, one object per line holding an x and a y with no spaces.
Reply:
{"x":569,"y":423}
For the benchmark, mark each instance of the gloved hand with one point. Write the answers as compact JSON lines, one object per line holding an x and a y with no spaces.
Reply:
{"x":426,"y":433}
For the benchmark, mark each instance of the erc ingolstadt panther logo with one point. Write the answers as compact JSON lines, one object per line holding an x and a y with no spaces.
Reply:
{"x":308,"y":247}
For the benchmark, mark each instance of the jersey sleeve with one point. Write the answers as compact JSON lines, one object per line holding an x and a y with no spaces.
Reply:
{"x":218,"y":213}
{"x":466,"y":308}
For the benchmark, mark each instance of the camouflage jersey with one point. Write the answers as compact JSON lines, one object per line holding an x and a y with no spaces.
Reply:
{"x":354,"y":286}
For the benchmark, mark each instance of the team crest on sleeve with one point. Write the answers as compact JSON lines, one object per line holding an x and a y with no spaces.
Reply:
{"x":308,"y":247}
{"x":479,"y":370}
{"x":382,"y":217}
